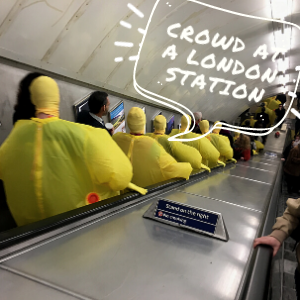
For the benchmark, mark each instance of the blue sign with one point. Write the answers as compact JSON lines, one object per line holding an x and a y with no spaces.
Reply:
{"x":187,"y":216}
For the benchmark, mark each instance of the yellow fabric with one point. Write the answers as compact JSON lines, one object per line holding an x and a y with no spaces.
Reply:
{"x":259,"y":145}
{"x":274,"y":104}
{"x":268,"y":100}
{"x":221,"y":163}
{"x":184,"y":122}
{"x":137,"y":188}
{"x":209,"y":153}
{"x":251,"y":120}
{"x":44,"y":95}
{"x":136,"y":120}
{"x":180,"y":151}
{"x":160,"y":124}
{"x":222,"y":144}
{"x":236,"y":135}
{"x":218,"y":129}
{"x":49,"y":166}
{"x":204,"y":126}
{"x":151,"y":163}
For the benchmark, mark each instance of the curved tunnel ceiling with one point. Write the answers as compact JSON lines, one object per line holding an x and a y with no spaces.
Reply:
{"x":80,"y":39}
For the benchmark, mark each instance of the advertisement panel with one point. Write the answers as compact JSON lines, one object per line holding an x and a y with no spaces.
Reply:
{"x":117,"y":117}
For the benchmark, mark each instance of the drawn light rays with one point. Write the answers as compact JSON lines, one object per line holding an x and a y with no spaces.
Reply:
{"x":129,"y":26}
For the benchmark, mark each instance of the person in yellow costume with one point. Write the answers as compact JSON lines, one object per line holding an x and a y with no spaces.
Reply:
{"x":50,"y":166}
{"x":251,"y":121}
{"x":210,"y":155}
{"x":151,"y":163}
{"x":181,"y":152}
{"x":259,"y":145}
{"x":273,"y":103}
{"x":220,"y":142}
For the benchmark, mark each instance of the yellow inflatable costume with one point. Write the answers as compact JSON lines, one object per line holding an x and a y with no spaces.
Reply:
{"x":151,"y":163}
{"x":181,"y":152}
{"x":210,"y":155}
{"x":251,"y":120}
{"x":50,"y":166}
{"x":220,"y":142}
{"x":273,"y":103}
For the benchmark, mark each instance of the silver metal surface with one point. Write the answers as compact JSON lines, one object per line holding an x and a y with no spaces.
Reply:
{"x":126,"y":256}
{"x":275,"y":144}
{"x":249,"y":173}
{"x":15,"y":287}
{"x":268,"y":166}
{"x":231,"y":189}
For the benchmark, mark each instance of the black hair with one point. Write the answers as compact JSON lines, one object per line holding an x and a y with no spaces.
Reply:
{"x":96,"y":101}
{"x":24,"y":108}
{"x":247,"y":123}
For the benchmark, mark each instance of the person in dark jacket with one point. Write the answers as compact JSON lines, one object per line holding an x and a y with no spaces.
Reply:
{"x":280,"y":112}
{"x":24,"y":109}
{"x":99,"y":106}
{"x":227,"y":133}
{"x":297,"y":125}
{"x":198,"y":119}
{"x":292,"y":170}
{"x":281,"y":98}
{"x":263,"y":117}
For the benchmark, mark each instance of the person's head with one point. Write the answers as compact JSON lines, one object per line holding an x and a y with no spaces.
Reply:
{"x":243,"y":142}
{"x":184,"y":122}
{"x":280,"y":106}
{"x":44,"y":93}
{"x":247,"y":123}
{"x":23,"y":96}
{"x":218,"y":128}
{"x":136,"y":120}
{"x":198,"y":117}
{"x":297,"y":138}
{"x":263,"y":104}
{"x":204,"y":126}
{"x":99,"y":103}
{"x":160,"y":124}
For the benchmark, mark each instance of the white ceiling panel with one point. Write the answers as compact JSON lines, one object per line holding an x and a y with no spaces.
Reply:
{"x":76,"y":38}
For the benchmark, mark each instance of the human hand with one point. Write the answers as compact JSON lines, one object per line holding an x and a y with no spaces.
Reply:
{"x":283,"y":159}
{"x":268,"y":240}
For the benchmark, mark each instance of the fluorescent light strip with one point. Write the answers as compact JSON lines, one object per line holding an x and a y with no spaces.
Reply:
{"x":118,"y":59}
{"x":125,"y":24}
{"x":142,"y":31}
{"x":133,"y":58}
{"x":123,"y":44}
{"x":135,"y":10}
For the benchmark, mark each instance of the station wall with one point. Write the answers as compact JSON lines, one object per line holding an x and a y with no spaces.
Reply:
{"x":70,"y":93}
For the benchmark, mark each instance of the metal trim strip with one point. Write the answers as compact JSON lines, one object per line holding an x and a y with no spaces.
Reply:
{"x":45,"y":283}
